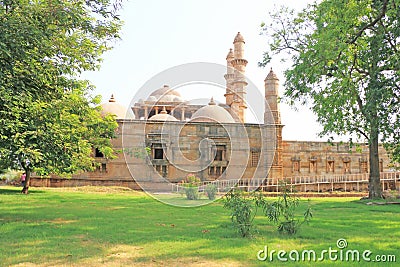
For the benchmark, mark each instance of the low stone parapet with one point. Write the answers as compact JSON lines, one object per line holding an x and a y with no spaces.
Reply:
{"x":73,"y":182}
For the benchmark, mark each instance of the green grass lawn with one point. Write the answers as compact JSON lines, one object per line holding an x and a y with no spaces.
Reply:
{"x":115,"y":227}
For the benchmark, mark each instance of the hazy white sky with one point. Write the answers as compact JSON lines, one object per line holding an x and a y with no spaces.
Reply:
{"x":158,"y":35}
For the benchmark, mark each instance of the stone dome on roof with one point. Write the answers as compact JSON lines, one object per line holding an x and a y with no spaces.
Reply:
{"x":163,"y":116}
{"x":165,"y":94}
{"x":152,"y":98}
{"x":271,"y":76}
{"x":165,"y":90}
{"x":212,"y":113}
{"x":112,"y":107}
{"x":238,"y":38}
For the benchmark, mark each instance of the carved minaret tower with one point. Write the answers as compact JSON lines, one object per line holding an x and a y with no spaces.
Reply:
{"x":229,"y":76}
{"x":236,"y":80}
{"x":271,"y":84}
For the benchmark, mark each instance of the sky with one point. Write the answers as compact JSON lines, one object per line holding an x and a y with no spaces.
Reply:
{"x":158,"y":35}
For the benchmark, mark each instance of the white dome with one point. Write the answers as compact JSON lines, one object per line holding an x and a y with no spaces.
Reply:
{"x":151,"y":99}
{"x":163,"y":116}
{"x":169,"y":98}
{"x":165,"y":94}
{"x":212,"y":113}
{"x":165,"y":90}
{"x":112,"y":107}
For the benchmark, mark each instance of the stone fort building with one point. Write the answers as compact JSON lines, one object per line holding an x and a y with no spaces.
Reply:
{"x":214,"y":141}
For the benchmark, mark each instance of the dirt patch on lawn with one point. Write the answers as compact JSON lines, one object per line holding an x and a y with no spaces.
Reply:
{"x":61,"y":221}
{"x":128,"y":255}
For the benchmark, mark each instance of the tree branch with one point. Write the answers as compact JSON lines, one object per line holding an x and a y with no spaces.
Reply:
{"x":392,"y":45}
{"x":366,"y":73}
{"x":362,"y":133}
{"x":285,"y":39}
{"x":372,"y":23}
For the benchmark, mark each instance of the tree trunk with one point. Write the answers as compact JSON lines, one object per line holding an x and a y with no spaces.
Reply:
{"x":374,"y":187}
{"x":373,"y":96}
{"x":27,"y":180}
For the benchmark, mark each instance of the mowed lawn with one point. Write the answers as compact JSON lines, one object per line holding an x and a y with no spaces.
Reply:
{"x":119,"y":227}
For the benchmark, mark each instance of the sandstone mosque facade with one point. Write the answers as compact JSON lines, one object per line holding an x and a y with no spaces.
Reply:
{"x":173,"y":129}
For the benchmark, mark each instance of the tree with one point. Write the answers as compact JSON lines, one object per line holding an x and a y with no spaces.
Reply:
{"x":50,"y":123}
{"x":345,"y":62}
{"x":58,"y":137}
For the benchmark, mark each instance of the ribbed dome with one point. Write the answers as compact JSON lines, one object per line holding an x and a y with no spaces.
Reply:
{"x":112,"y":107}
{"x":163,"y":116}
{"x":212,"y":113}
{"x":165,"y":94}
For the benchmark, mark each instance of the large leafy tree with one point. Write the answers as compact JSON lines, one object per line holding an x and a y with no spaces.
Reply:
{"x":49,"y":122}
{"x":345,"y":62}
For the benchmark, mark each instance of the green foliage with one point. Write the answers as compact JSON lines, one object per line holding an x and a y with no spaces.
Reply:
{"x":138,"y":152}
{"x":11,"y":177}
{"x":191,"y":187}
{"x":394,"y":150}
{"x":50,"y":123}
{"x":192,"y":193}
{"x":345,"y":58}
{"x":243,"y":210}
{"x":211,"y":191}
{"x":282,"y":212}
{"x":192,"y":180}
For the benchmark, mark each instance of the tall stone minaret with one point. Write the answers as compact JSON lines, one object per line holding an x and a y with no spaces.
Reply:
{"x":235,"y":79}
{"x":229,"y":76}
{"x":271,"y":84}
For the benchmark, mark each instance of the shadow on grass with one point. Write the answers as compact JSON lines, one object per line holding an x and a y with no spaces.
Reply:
{"x":17,"y":190}
{"x":376,"y":201}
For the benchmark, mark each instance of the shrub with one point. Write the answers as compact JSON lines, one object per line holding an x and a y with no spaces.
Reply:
{"x":192,"y":193}
{"x":282,"y":212}
{"x":211,"y":191}
{"x":191,"y":187}
{"x":243,"y":210}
